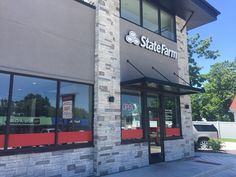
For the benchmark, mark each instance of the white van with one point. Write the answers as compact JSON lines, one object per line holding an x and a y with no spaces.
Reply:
{"x":202,"y":132}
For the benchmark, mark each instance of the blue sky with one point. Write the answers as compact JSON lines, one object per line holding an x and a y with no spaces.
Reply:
{"x":223,"y":32}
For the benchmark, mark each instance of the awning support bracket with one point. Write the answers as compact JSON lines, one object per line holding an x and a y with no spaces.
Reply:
{"x":182,"y":79}
{"x":160,"y":73}
{"x":131,"y":64}
{"x":192,"y":12}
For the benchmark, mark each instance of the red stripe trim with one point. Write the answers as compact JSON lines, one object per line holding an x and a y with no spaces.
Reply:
{"x":68,"y":137}
{"x":132,"y":134}
{"x":172,"y":132}
{"x":16,"y":140}
{"x":2,"y":137}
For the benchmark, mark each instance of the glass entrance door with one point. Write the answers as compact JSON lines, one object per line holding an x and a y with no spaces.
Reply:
{"x":155,"y":133}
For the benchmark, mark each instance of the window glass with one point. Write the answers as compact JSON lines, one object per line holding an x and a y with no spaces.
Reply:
{"x":33,"y":112}
{"x":167,"y":25}
{"x":33,"y":105}
{"x":131,"y":116}
{"x":4,"y":89}
{"x":75,"y":120}
{"x":131,"y":111}
{"x":130,"y":10}
{"x":75,"y":107}
{"x":153,"y":101}
{"x":150,"y":16}
{"x":206,"y":128}
{"x":172,"y":122}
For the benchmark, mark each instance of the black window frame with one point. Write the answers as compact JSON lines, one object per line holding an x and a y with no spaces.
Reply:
{"x":55,"y":146}
{"x":159,"y":7}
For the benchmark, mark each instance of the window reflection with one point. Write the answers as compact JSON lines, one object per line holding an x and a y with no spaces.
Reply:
{"x":131,"y":10}
{"x":172,"y":121}
{"x":33,"y":105}
{"x":131,"y":111}
{"x":170,"y":112}
{"x":33,"y":112}
{"x":4,"y":89}
{"x":150,"y":16}
{"x":153,"y":17}
{"x":167,"y":25}
{"x":75,"y":107}
{"x":4,"y":84}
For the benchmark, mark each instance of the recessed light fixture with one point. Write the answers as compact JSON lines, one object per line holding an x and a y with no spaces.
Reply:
{"x":34,"y":83}
{"x":19,"y":89}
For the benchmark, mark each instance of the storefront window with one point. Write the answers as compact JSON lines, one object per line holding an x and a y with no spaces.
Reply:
{"x":130,"y":10}
{"x":150,"y":16}
{"x":171,"y":116}
{"x":33,"y":112}
{"x":75,"y":118}
{"x":167,"y":25}
{"x":44,"y":112}
{"x":4,"y":89}
{"x":131,"y":116}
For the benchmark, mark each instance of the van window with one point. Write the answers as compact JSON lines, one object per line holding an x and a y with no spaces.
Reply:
{"x":205,"y":128}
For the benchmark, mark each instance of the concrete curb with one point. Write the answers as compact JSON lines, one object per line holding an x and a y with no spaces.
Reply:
{"x":214,"y":171}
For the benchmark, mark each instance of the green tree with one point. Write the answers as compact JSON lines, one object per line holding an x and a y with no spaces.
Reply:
{"x":196,"y":101}
{"x":220,"y":91}
{"x":34,"y":105}
{"x":199,"y":48}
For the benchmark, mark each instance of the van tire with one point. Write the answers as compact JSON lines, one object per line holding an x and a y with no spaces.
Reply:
{"x":203,"y":143}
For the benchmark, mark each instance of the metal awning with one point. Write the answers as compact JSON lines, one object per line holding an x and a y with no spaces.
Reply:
{"x":161,"y":86}
{"x":203,"y":12}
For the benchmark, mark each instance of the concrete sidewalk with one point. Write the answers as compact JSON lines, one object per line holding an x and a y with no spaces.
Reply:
{"x":202,"y":165}
{"x":229,"y":147}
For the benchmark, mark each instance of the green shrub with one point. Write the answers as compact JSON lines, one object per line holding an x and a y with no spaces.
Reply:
{"x":215,"y":144}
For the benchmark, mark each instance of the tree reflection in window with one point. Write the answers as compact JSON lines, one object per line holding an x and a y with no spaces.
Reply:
{"x":4,"y":89}
{"x":33,"y":105}
{"x":171,"y":106}
{"x":78,"y":114}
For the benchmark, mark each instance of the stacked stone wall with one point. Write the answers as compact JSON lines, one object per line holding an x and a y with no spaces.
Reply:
{"x":184,"y":147}
{"x":66,"y":163}
{"x":110,"y":155}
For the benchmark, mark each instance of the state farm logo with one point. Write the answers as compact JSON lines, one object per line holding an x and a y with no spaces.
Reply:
{"x":132,"y":38}
{"x":151,"y":45}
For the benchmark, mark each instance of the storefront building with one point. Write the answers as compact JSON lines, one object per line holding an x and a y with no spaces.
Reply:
{"x":95,"y":87}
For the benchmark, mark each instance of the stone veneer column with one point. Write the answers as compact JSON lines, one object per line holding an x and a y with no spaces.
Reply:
{"x":186,"y":114}
{"x":184,"y":147}
{"x":107,"y":132}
